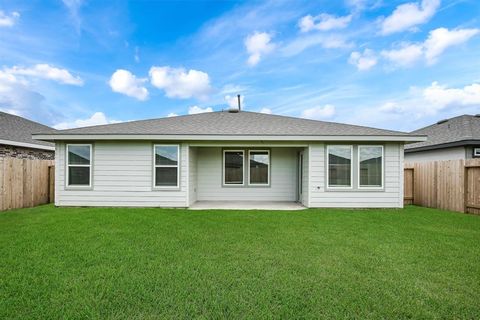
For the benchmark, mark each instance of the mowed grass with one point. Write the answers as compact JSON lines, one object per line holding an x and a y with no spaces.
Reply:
{"x":125,"y":263}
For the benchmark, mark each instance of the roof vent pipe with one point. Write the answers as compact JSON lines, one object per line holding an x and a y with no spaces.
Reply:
{"x":239,"y":104}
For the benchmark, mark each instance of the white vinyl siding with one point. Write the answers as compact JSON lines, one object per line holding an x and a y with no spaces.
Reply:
{"x":283,"y":181}
{"x":388,"y":197}
{"x":305,"y":177}
{"x":123,"y":176}
{"x":192,"y":175}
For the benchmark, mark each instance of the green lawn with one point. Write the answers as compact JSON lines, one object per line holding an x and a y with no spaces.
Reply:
{"x":160,"y":263}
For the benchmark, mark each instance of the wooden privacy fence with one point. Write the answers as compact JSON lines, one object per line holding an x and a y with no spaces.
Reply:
{"x":25,"y":183}
{"x":450,"y":185}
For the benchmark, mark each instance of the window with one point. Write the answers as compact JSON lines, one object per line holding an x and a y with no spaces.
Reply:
{"x":339,"y":159}
{"x":79,"y":162}
{"x":370,"y":166}
{"x":259,"y":173}
{"x":233,"y":167}
{"x":476,"y":152}
{"x":166,"y":166}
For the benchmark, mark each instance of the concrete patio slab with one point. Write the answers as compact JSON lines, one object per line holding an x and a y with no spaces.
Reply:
{"x":246,"y":205}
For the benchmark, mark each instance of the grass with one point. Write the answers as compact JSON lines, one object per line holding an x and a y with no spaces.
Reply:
{"x":159,"y":263}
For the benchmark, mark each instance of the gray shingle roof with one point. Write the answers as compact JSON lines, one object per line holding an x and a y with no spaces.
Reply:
{"x":18,"y":129}
{"x":224,"y":123}
{"x":459,"y":129}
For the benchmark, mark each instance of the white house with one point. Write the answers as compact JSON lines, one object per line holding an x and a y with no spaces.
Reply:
{"x":229,"y":156}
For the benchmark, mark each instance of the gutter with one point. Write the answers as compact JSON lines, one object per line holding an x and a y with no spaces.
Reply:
{"x":27,"y":145}
{"x":461,"y":143}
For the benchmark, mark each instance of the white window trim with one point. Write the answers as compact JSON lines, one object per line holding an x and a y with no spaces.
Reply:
{"x":166,"y":166}
{"x":358,"y":167}
{"x":79,"y":165}
{"x":268,"y":171}
{"x":351,"y":168}
{"x":243,"y":169}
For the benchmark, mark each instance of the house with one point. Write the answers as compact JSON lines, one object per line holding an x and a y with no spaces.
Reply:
{"x":16,"y":139}
{"x":227,"y":156}
{"x":450,"y":139}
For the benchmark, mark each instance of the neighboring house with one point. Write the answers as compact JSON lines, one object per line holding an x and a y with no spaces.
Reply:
{"x":451,"y":139}
{"x":229,"y":156}
{"x":16,"y":139}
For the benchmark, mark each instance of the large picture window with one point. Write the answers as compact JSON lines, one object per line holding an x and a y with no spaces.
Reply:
{"x":339,"y":159}
{"x":259,"y":167}
{"x":370,"y":166}
{"x":79,"y":165}
{"x":166,"y":166}
{"x":233,"y":167}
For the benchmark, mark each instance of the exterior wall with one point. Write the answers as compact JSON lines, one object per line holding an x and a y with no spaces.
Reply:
{"x":453,"y":153}
{"x":305,"y":178}
{"x":283,"y":177}
{"x":122,"y":176}
{"x":192,"y":174}
{"x":25,"y":153}
{"x":391,"y":196}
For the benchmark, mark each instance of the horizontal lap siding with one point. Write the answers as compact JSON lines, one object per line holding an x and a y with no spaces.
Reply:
{"x":192,"y":173}
{"x":388,"y":198}
{"x":283,"y":177}
{"x":122,"y":176}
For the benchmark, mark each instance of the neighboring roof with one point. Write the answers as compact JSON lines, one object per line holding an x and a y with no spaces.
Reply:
{"x":222,"y":124}
{"x":17,"y":131}
{"x":457,"y":131}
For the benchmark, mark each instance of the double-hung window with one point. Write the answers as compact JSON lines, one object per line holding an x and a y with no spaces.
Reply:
{"x":370,"y":166}
{"x":79,"y":165}
{"x":339,"y":164}
{"x":166,"y":159}
{"x":233,"y":167}
{"x":259,"y":167}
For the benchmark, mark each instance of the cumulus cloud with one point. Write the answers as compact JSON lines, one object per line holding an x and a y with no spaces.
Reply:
{"x":405,"y":55}
{"x":430,"y":50}
{"x":124,"y":82}
{"x":363,"y":61}
{"x":172,"y":114}
{"x":98,"y":118}
{"x":179,"y":83}
{"x":266,"y":110}
{"x":46,"y":71}
{"x":323,"y":22}
{"x":258,"y":45}
{"x":197,"y":110}
{"x":8,"y":20}
{"x":319,"y":112}
{"x":408,"y":15}
{"x":440,"y":96}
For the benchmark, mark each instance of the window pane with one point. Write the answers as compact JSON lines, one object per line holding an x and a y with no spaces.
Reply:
{"x":233,"y":167}
{"x":166,"y":155}
{"x":339,"y":166}
{"x":78,"y":154}
{"x":259,"y":163}
{"x":371,"y":166}
{"x":78,"y":176}
{"x":166,"y":176}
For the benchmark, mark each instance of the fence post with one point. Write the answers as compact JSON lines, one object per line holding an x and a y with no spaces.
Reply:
{"x":51,"y":184}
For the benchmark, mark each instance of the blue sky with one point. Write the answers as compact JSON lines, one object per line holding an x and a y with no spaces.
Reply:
{"x":390,"y":64}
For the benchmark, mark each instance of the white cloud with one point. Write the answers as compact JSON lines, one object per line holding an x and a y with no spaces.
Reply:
{"x":197,"y":109}
{"x":73,"y":7}
{"x":172,"y":114}
{"x":8,"y":20}
{"x":258,"y":44}
{"x":363,"y":61}
{"x":406,"y":55}
{"x":98,"y":118}
{"x":437,"y":42}
{"x":408,"y":15}
{"x":232,"y":101}
{"x":323,"y":22}
{"x":46,"y":71}
{"x":124,"y":82}
{"x":440,"y":39}
{"x":318,"y":113}
{"x":302,"y":43}
{"x":178,"y":83}
{"x":440,"y":97}
{"x":266,"y":111}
